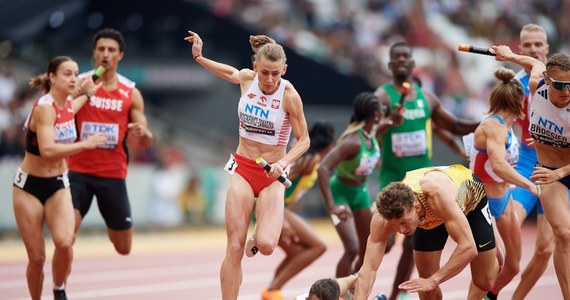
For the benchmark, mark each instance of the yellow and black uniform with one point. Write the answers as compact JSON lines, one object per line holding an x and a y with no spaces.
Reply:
{"x":302,"y":184}
{"x":431,"y":233}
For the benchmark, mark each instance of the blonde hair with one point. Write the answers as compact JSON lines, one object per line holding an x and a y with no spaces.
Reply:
{"x":265,"y":46}
{"x":533,"y":28}
{"x":508,"y":94}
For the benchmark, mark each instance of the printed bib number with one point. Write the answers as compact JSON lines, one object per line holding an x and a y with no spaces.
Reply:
{"x":111,"y":131}
{"x":468,"y":144}
{"x":409,"y":143}
{"x":20,"y":178}
{"x":231,"y":165}
{"x":487,"y":213}
{"x":65,"y":179}
{"x":367,"y":165}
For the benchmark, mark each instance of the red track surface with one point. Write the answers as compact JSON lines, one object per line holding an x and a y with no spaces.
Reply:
{"x":184,"y":264}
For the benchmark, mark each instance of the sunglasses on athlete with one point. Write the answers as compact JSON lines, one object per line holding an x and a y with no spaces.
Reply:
{"x":559,"y":85}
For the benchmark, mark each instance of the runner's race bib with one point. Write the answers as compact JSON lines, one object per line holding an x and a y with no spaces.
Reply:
{"x":231,"y":165}
{"x":111,"y":131}
{"x":409,"y":143}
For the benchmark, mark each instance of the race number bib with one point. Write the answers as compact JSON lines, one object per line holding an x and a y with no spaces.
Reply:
{"x":111,"y":131}
{"x":487,"y":213}
{"x":231,"y":165}
{"x":367,"y":165}
{"x":20,"y":178}
{"x":468,"y":144}
{"x":409,"y":143}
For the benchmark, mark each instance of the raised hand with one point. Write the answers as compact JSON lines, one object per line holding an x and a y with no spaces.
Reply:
{"x":197,"y":44}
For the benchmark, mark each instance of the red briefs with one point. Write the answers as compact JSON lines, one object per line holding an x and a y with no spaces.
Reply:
{"x":253,"y":173}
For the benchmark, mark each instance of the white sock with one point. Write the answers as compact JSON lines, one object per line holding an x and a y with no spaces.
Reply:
{"x":59,"y":288}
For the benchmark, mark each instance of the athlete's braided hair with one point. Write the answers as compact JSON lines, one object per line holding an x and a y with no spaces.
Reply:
{"x":364,"y":106}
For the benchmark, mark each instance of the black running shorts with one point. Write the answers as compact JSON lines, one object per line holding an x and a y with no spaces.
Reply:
{"x":480,"y":222}
{"x":111,"y":194}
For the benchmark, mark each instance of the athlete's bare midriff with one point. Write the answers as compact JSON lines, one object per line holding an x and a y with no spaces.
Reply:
{"x":552,"y":156}
{"x":43,"y":167}
{"x":251,"y":149}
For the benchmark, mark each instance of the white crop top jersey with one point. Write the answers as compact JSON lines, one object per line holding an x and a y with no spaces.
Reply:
{"x":549,"y":124}
{"x":262,"y":118}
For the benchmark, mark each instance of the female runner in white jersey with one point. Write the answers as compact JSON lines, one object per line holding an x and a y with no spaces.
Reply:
{"x":549,"y":123}
{"x":269,"y":109}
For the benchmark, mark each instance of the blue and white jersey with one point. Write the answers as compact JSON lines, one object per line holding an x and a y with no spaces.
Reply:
{"x":549,"y":125}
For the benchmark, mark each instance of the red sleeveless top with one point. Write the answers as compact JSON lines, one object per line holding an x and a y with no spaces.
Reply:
{"x":107,"y":112}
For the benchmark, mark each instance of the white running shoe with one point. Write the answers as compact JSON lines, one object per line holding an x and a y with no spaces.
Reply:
{"x":250,"y":247}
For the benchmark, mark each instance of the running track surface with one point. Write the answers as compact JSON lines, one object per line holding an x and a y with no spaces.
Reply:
{"x":184,"y":264}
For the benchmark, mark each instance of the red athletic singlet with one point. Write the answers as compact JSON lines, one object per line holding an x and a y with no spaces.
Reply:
{"x":107,"y":112}
{"x":64,"y":126}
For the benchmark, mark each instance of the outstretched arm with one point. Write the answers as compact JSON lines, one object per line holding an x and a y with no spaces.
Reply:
{"x":380,"y":231}
{"x":346,"y":283}
{"x":536,"y":67}
{"x":445,"y":120}
{"x":223,"y":71}
{"x":451,"y":140}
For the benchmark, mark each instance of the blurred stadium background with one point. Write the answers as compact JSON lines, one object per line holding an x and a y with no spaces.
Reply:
{"x":335,"y":49}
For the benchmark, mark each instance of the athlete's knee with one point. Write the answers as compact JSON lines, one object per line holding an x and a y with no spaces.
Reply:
{"x":351,"y":250}
{"x":64,"y":243}
{"x":122,"y":240}
{"x":266,"y":247}
{"x":234,"y":250}
{"x":122,"y":247}
{"x":562,"y":235}
{"x":511,"y":268}
{"x":319,"y":248}
{"x":37,"y":260}
{"x":544,"y":250}
{"x":484,"y":281}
